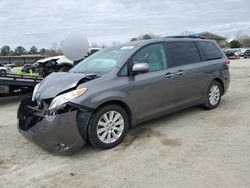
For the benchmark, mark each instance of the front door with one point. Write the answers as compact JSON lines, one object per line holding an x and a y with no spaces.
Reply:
{"x":152,"y":93}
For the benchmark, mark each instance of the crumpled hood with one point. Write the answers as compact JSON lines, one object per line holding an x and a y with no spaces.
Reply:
{"x":58,"y":82}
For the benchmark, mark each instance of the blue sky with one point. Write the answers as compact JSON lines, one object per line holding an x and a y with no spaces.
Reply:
{"x":40,"y":23}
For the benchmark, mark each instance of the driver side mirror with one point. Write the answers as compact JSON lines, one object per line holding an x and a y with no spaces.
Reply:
{"x":140,"y":68}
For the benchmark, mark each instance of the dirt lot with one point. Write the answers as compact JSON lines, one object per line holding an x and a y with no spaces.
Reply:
{"x":192,"y":148}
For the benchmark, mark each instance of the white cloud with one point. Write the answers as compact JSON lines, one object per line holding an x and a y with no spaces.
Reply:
{"x":43,"y":22}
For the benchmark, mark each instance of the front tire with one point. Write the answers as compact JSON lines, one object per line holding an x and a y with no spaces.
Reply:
{"x":214,"y":93}
{"x":108,"y":126}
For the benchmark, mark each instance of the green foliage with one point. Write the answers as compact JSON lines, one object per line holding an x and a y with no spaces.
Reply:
{"x":234,"y":44}
{"x":5,"y":51}
{"x":50,"y":52}
{"x":33,"y":50}
{"x":245,"y":41}
{"x":20,"y":50}
{"x":42,"y":51}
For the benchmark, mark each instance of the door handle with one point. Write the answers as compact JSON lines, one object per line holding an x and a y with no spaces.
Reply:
{"x":169,"y":75}
{"x":180,"y":72}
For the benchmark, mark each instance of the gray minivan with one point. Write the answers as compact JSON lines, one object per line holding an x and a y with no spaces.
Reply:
{"x":120,"y":86}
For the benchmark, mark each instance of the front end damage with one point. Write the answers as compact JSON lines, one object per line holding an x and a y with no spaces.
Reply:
{"x":63,"y":132}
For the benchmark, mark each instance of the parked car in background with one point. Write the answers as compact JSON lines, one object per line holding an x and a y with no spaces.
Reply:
{"x":103,"y":96}
{"x":5,"y":64}
{"x":4,"y":70}
{"x":242,"y":51}
{"x":232,"y":53}
{"x":247,"y":54}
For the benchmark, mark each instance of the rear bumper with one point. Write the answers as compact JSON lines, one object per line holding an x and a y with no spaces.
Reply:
{"x":58,"y":133}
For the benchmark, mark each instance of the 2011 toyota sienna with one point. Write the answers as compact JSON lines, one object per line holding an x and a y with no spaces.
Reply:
{"x":107,"y":93}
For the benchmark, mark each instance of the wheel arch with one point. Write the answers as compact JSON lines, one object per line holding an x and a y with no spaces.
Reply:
{"x":3,"y":70}
{"x":221,"y":83}
{"x":123,"y":105}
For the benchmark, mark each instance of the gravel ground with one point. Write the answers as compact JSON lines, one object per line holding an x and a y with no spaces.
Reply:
{"x":191,"y":148}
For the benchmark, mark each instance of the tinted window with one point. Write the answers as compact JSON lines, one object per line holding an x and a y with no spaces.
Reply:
{"x":210,"y":50}
{"x":154,"y":55}
{"x":182,"y":53}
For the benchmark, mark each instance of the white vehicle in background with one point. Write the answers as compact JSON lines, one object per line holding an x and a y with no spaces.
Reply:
{"x":59,"y":63}
{"x":54,"y":64}
{"x":4,"y":70}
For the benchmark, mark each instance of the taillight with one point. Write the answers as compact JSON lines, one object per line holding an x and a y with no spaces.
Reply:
{"x":227,"y":62}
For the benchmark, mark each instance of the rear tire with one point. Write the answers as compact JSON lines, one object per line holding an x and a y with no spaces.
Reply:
{"x":108,"y":126}
{"x":213,"y":96}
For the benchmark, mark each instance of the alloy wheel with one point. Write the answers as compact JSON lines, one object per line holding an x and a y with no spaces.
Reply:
{"x":110,"y":127}
{"x":214,"y":94}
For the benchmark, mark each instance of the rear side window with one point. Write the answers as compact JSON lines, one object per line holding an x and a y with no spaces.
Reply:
{"x":210,"y":50}
{"x":182,"y":53}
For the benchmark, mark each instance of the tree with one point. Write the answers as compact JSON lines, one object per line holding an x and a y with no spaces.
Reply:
{"x":238,"y":34}
{"x":186,"y":33}
{"x":54,"y":46}
{"x":146,"y":37}
{"x":20,"y":50}
{"x":94,"y":45}
{"x":59,"y":51}
{"x":133,"y":39}
{"x":50,"y":52}
{"x":42,"y":51}
{"x":245,"y":41}
{"x":227,"y":36}
{"x":103,"y":45}
{"x":33,"y":50}
{"x":234,"y":44}
{"x":5,"y":50}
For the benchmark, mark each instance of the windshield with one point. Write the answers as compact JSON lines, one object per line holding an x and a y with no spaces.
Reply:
{"x":102,"y":61}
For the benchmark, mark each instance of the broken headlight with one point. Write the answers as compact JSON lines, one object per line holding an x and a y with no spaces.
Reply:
{"x":66,"y":97}
{"x":35,"y":92}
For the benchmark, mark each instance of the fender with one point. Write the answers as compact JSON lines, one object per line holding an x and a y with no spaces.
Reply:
{"x":95,"y":100}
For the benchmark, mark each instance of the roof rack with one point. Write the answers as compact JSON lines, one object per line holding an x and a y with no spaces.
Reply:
{"x":185,"y":36}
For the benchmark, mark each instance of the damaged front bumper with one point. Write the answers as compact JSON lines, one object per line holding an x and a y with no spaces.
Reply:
{"x":63,"y":133}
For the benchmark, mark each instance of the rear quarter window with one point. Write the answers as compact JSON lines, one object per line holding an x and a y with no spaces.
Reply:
{"x":210,"y":50}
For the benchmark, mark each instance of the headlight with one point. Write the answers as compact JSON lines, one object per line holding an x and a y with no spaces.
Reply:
{"x":66,"y":97}
{"x":35,"y":91}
